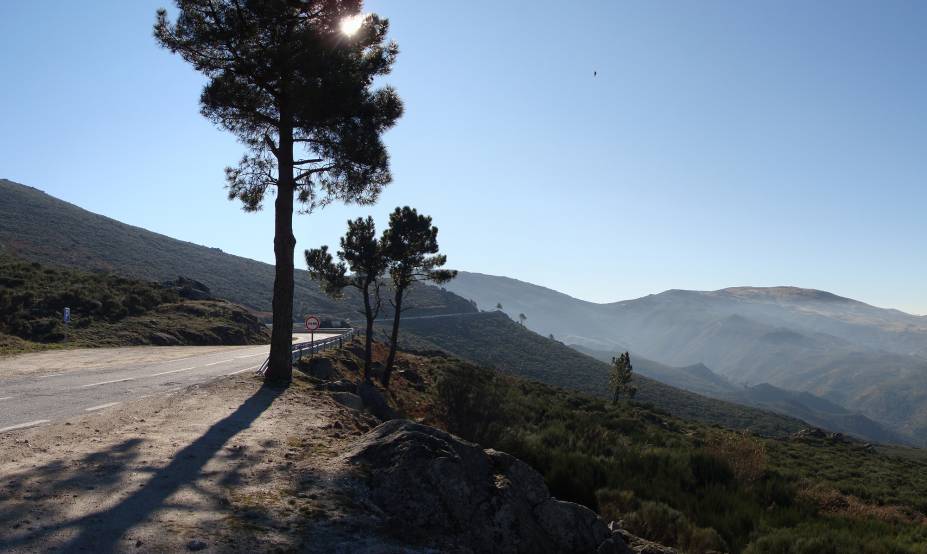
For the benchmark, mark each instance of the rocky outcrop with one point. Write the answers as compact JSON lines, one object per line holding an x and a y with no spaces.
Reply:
{"x":191,"y":289}
{"x":636,"y":544}
{"x":437,"y":490}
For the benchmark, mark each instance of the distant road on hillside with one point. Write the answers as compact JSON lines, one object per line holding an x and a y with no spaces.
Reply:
{"x":47,"y":386}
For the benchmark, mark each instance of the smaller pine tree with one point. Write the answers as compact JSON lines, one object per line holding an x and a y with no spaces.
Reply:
{"x":621,"y":377}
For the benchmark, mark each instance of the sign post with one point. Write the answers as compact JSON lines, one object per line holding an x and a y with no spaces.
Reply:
{"x":312,"y":323}
{"x":67,"y":319}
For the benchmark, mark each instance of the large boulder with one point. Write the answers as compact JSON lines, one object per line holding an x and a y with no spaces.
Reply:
{"x":438,"y":490}
{"x":375,"y":402}
{"x":319,"y":367}
{"x":191,"y":289}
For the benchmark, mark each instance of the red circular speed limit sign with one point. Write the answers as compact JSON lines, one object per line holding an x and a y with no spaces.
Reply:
{"x":312,"y":323}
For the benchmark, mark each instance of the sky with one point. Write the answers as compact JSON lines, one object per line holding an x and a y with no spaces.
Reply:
{"x":605,"y":149}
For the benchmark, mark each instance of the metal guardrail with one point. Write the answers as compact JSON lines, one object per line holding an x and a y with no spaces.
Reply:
{"x":300,"y":349}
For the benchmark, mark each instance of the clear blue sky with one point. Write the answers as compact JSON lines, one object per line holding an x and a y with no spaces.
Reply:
{"x":722,"y":143}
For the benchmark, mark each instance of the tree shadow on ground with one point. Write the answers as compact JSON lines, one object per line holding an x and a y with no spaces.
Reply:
{"x":102,"y":531}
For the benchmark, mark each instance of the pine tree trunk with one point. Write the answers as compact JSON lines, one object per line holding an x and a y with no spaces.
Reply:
{"x":280,"y":368}
{"x":394,"y":337}
{"x":368,"y":335}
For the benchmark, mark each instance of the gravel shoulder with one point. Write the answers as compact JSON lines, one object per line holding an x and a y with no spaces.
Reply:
{"x":227,"y":466}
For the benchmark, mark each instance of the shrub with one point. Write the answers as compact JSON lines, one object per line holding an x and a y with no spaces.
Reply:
{"x":660,"y":523}
{"x":745,"y":455}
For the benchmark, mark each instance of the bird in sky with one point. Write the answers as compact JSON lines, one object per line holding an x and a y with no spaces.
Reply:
{"x":595,"y":73}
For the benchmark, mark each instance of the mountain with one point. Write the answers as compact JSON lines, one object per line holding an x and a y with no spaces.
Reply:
{"x":696,"y":378}
{"x":41,"y":228}
{"x":802,"y":405}
{"x":863,"y":358}
{"x":492,"y":339}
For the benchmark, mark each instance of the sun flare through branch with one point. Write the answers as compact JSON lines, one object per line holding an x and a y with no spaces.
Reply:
{"x":351,"y":24}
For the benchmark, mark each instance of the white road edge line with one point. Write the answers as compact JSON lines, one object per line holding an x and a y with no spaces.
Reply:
{"x":101,"y":406}
{"x":107,"y":382}
{"x":6,"y":398}
{"x":24,"y":425}
{"x":250,"y":356}
{"x":241,"y":371}
{"x":171,"y":371}
{"x":50,"y":375}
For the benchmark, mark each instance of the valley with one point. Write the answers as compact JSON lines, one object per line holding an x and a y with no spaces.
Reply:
{"x":851,"y":358}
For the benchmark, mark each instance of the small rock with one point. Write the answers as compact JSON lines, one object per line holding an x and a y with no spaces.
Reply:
{"x":196,"y":544}
{"x":341,"y":385}
{"x":348,"y":399}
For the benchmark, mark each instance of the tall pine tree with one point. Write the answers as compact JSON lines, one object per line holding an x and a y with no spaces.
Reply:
{"x":298,"y":92}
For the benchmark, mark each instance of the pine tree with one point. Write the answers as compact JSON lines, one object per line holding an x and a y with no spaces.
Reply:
{"x":522,"y":318}
{"x":621,"y":377}
{"x":361,"y":254}
{"x":298,"y":93}
{"x":410,"y":244}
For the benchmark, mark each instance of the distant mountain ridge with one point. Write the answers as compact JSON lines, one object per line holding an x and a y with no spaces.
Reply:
{"x":494,"y":340}
{"x":813,"y":409}
{"x":866,"y":359}
{"x":41,"y":228}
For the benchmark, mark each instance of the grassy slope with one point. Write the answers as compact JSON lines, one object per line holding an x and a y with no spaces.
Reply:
{"x":492,"y":339}
{"x":108,"y":310}
{"x":84,"y":240}
{"x":676,"y":481}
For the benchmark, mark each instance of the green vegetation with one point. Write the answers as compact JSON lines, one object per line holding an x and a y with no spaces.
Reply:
{"x":683,"y":483}
{"x":407,"y":252}
{"x":494,"y":340}
{"x":620,"y":377}
{"x":108,"y":310}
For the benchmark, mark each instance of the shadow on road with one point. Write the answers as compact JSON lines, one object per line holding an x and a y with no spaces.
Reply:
{"x":101,"y":531}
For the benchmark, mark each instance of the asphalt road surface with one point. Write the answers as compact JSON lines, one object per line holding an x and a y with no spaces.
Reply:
{"x":47,"y":386}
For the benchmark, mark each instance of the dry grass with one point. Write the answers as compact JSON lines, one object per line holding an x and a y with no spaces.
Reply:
{"x":744,"y":453}
{"x":833,"y":502}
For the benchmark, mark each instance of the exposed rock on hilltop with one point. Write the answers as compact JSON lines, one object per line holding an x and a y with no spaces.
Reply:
{"x":430,"y":484}
{"x":191,"y":289}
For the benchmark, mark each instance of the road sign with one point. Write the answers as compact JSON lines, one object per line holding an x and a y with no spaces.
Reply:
{"x":67,"y":315}
{"x":312,"y":323}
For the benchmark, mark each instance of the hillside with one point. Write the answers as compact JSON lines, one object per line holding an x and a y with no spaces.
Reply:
{"x":107,"y":310}
{"x":40,"y":228}
{"x":696,"y":378}
{"x":812,"y":409}
{"x":493,"y":340}
{"x":862,"y":358}
{"x":685,"y":484}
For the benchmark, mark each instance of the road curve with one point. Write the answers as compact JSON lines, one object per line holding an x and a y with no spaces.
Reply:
{"x":47,"y":386}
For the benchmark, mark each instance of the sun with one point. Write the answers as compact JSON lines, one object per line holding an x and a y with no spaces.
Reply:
{"x":351,"y":24}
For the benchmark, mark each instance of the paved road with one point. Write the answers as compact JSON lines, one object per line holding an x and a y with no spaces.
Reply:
{"x":47,"y":386}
